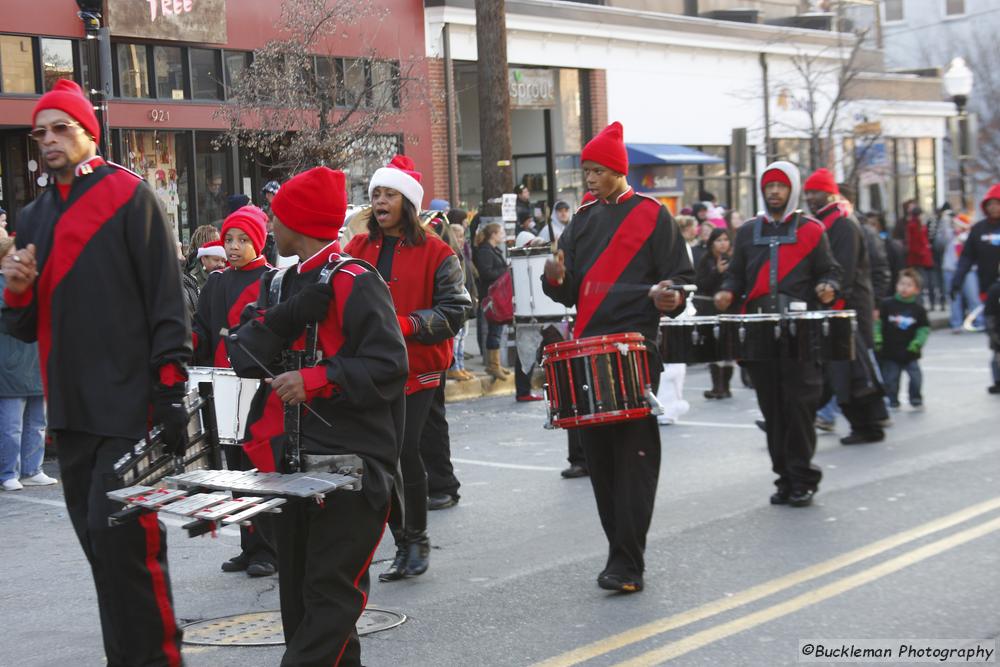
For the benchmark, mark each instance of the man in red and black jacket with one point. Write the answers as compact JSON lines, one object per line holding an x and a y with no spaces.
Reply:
{"x":220,"y":305}
{"x":854,"y":383}
{"x":324,"y":550}
{"x":612,"y":250}
{"x":96,"y":282}
{"x":768,"y":277}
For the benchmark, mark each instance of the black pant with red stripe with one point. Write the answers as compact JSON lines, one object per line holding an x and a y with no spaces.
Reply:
{"x":128,"y":561}
{"x":256,"y":540}
{"x":323,"y":556}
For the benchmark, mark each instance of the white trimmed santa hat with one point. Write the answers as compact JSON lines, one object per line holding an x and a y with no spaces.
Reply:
{"x":401,"y":176}
{"x":212,"y":249}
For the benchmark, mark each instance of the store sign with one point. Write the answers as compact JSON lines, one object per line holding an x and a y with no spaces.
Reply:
{"x":531,"y":88}
{"x":202,"y":21}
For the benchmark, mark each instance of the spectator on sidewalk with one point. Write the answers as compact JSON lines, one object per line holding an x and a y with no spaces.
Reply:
{"x":918,"y":248}
{"x":22,"y":408}
{"x":490,"y":263}
{"x":967,"y":299}
{"x":900,"y":335}
{"x":458,"y":243}
{"x":982,"y":249}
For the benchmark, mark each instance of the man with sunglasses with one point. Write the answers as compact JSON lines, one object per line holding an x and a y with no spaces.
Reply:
{"x":95,"y":280}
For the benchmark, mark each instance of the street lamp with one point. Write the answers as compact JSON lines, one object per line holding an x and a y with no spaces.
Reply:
{"x":957,"y":82}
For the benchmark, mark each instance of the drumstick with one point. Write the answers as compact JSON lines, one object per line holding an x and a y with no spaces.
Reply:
{"x":235,"y":339}
{"x":619,"y":288}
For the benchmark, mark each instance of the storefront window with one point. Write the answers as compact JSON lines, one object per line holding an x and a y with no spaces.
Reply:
{"x":205,"y":74}
{"x":162,"y":159}
{"x":57,"y":61}
{"x":926,"y":177}
{"x":168,"y":67}
{"x":212,"y":171}
{"x":352,"y":82}
{"x":17,"y":63}
{"x":133,"y":70}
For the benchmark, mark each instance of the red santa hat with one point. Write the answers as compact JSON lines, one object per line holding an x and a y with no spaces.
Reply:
{"x":400,"y":175}
{"x":608,"y":149}
{"x":251,"y":221}
{"x":212,"y":249}
{"x":823,"y":181}
{"x":68,"y":97}
{"x":313,"y":203}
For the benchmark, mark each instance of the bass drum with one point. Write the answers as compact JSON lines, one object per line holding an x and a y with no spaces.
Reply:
{"x":527,"y":266}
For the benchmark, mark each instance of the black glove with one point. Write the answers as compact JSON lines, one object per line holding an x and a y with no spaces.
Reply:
{"x":290,"y":318}
{"x":170,"y":413}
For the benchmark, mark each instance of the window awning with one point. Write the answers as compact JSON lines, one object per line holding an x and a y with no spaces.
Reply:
{"x":641,"y":154}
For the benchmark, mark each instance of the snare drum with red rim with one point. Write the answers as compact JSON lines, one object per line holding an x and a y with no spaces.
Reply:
{"x":597,"y":380}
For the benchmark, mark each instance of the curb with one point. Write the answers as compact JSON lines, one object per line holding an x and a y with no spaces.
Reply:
{"x":482,"y":386}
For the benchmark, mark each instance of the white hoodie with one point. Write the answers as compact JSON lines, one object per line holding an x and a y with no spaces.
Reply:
{"x":792,"y":172}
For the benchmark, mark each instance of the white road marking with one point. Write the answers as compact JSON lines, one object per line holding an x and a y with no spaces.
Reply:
{"x":512,"y":466}
{"x":685,"y":422}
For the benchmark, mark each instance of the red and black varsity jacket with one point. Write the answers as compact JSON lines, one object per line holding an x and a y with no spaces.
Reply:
{"x":220,"y":306}
{"x":428,"y":290}
{"x":614,"y":252}
{"x":108,"y":308}
{"x":801,"y":265}
{"x":357,"y":386}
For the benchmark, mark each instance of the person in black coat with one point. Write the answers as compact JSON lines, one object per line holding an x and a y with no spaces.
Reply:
{"x":490,"y":263}
{"x":709,"y":273}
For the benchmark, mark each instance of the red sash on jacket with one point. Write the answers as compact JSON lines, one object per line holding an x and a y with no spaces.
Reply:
{"x":630,"y":236}
{"x":789,"y":256}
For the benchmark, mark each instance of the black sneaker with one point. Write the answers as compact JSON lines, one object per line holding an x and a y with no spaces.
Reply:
{"x":801,"y":498}
{"x":261,"y":568}
{"x":862,"y":438}
{"x":995,"y":389}
{"x":779,"y":497}
{"x":620,"y":584}
{"x":441,"y":501}
{"x":236,"y":564}
{"x":574,"y":471}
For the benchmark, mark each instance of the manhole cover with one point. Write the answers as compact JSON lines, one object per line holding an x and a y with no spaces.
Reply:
{"x":263,"y":628}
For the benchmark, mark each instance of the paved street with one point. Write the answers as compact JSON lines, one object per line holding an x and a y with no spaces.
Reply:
{"x":902,"y":542}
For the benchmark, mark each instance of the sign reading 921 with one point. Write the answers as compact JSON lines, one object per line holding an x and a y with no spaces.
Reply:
{"x":202,"y":21}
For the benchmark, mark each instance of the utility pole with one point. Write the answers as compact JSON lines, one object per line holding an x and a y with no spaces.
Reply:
{"x":494,"y":104}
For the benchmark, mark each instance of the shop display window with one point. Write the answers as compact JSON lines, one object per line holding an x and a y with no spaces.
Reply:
{"x":57,"y":61}
{"x":17,"y":64}
{"x":236,"y":62}
{"x":133,"y":70}
{"x":162,"y":159}
{"x":352,"y":82}
{"x":168,"y":67}
{"x":213,"y":171}
{"x":385,"y":84}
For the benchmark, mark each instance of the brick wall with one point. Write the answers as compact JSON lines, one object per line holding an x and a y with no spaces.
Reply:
{"x":439,"y":129}
{"x":598,"y":80}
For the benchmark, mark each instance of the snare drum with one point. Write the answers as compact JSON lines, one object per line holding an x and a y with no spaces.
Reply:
{"x":233,"y":396}
{"x":689,"y":341}
{"x":821,"y":335}
{"x":527,"y":266}
{"x":597,"y":380}
{"x":755,"y":337}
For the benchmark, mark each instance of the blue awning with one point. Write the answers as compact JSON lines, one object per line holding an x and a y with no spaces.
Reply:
{"x":641,"y":154}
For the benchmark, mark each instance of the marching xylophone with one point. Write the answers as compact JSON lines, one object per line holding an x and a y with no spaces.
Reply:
{"x":207,"y":496}
{"x":822,"y":335}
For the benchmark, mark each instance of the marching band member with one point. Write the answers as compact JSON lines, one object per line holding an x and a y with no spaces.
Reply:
{"x":788,"y":390}
{"x":613,"y":249}
{"x":222,"y":300}
{"x":96,"y":281}
{"x":324,"y":550}
{"x":858,"y":393}
{"x":428,"y":289}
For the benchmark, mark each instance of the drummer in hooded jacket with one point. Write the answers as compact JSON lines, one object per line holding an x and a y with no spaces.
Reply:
{"x":788,"y":390}
{"x":222,"y":300}
{"x":616,"y":261}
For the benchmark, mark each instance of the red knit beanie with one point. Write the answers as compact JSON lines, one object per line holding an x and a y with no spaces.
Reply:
{"x":68,"y":97}
{"x":250,"y":220}
{"x":774,"y":176}
{"x":313,"y":203}
{"x":608,"y":149}
{"x":823,"y":181}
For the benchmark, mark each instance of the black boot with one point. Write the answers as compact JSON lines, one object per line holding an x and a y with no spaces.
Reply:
{"x":397,"y":570}
{"x":727,"y":376}
{"x":419,"y":554}
{"x":716,"y":372}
